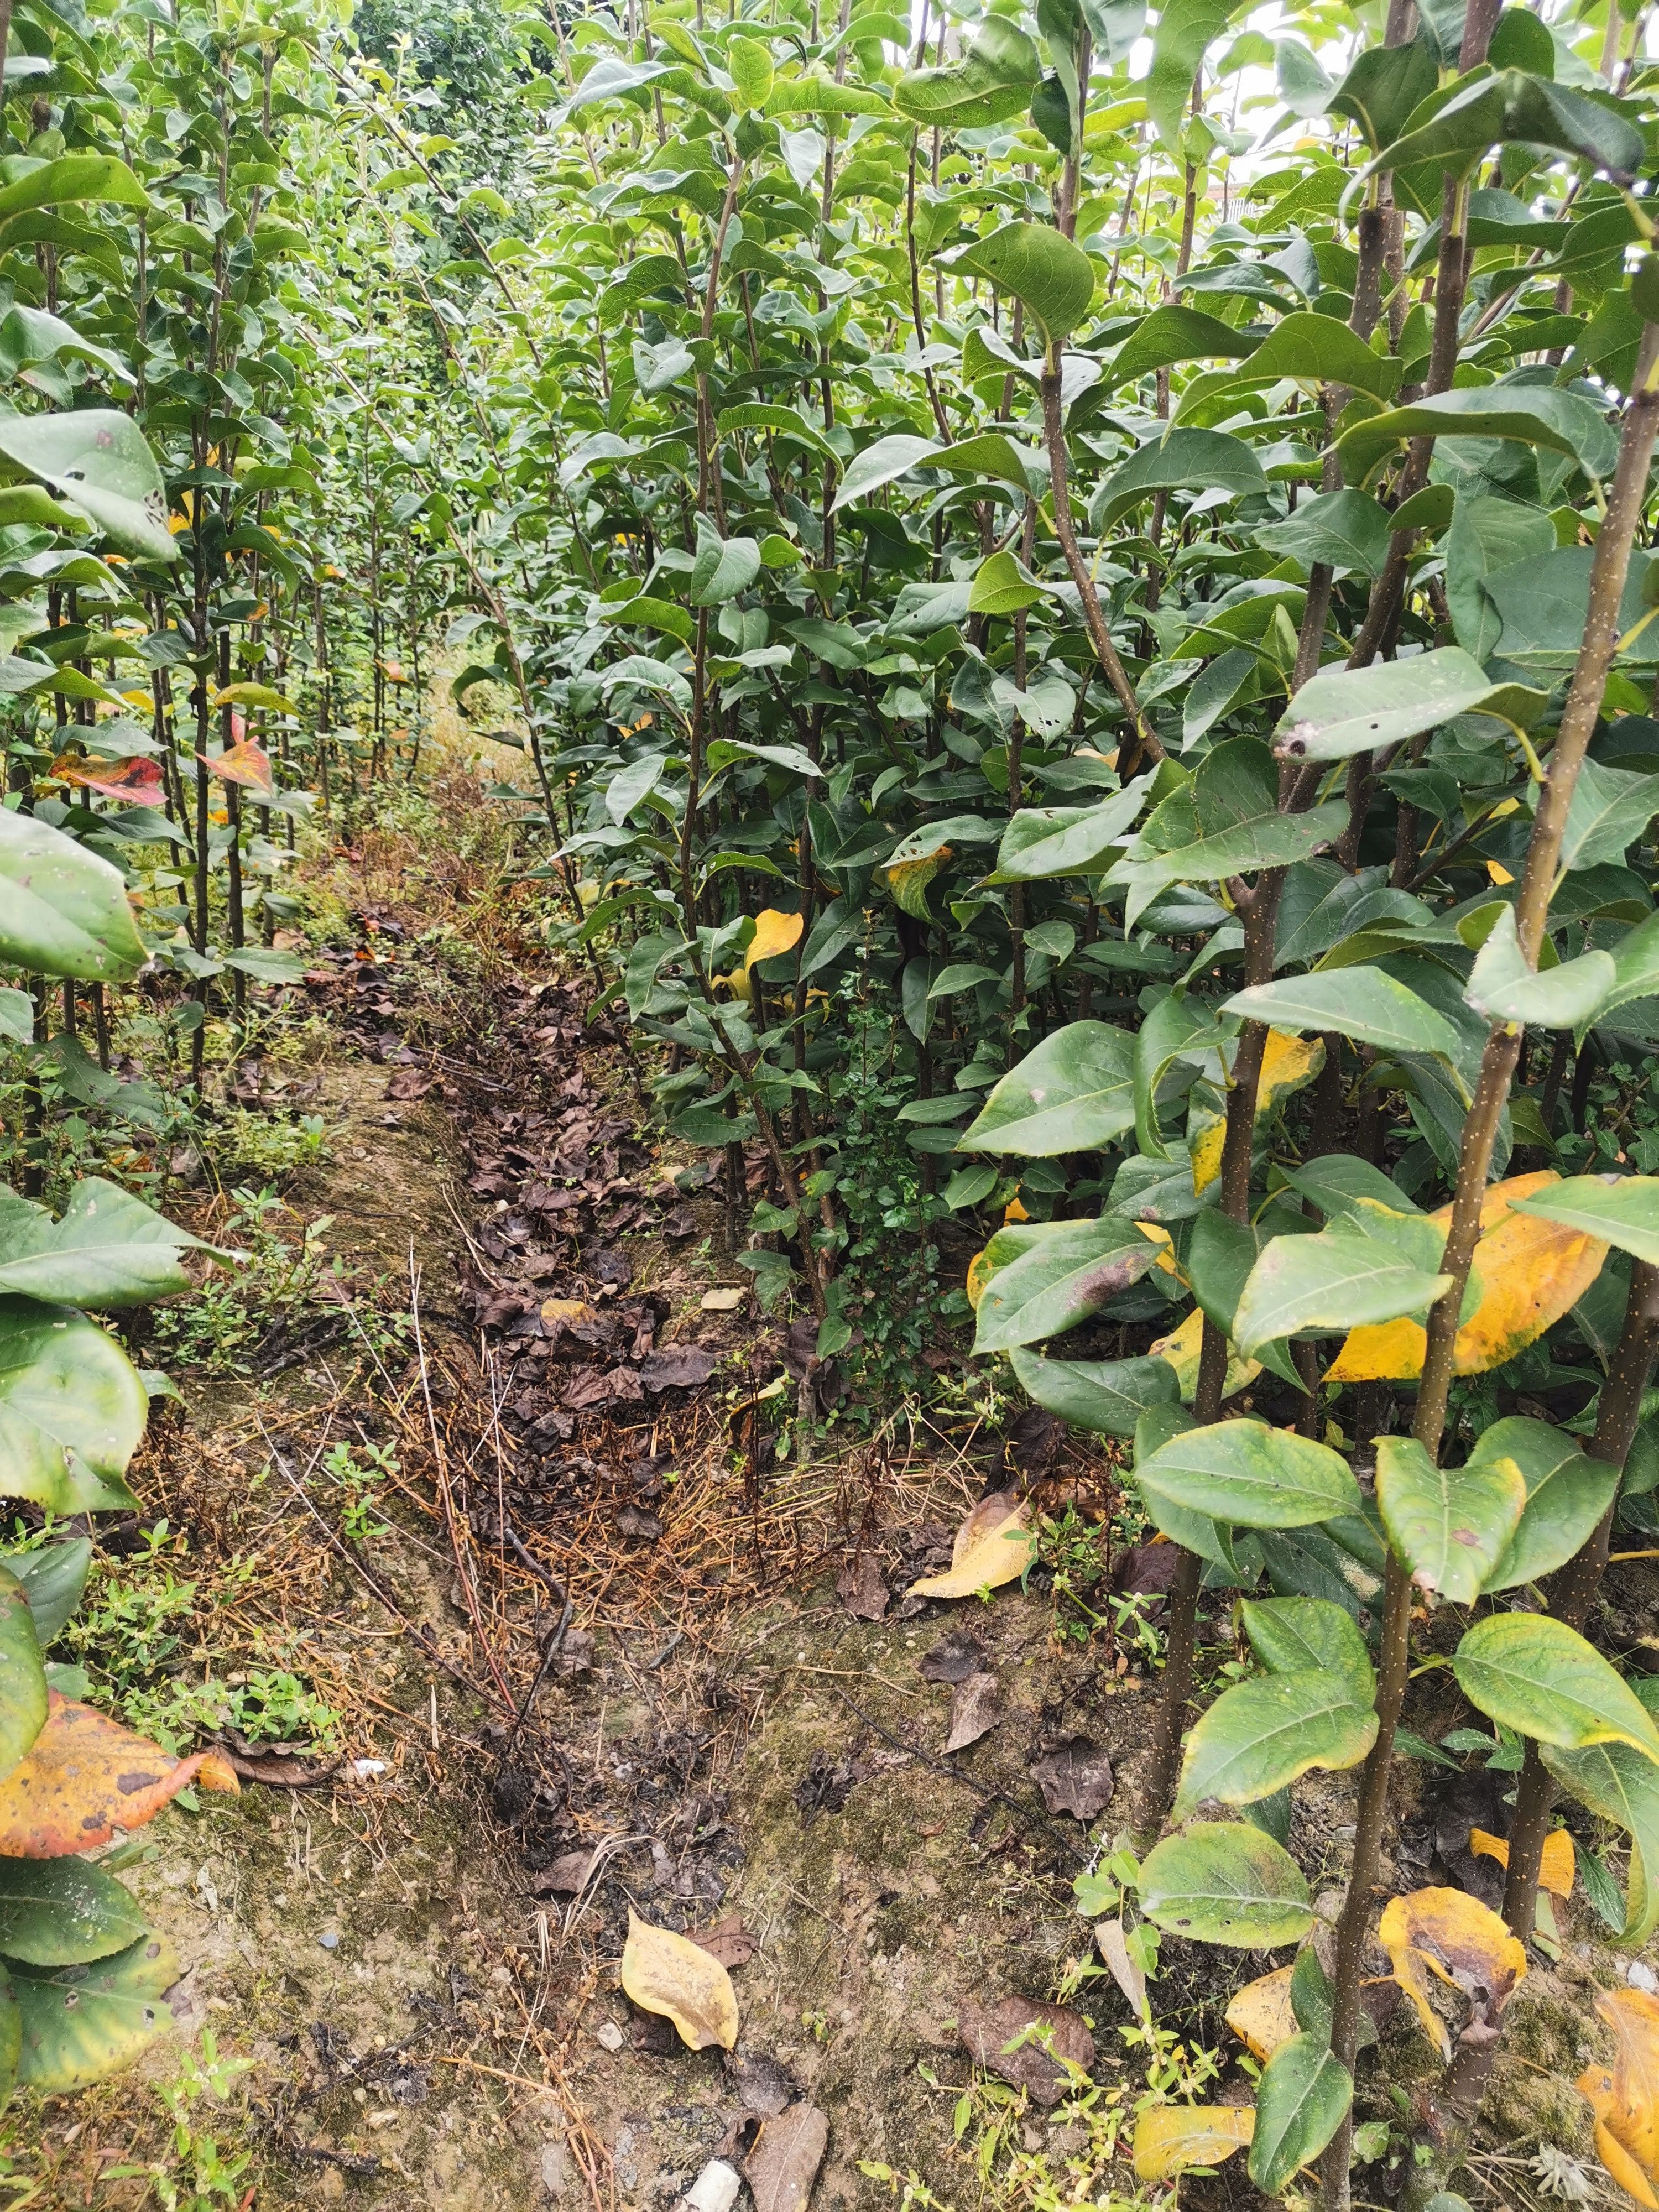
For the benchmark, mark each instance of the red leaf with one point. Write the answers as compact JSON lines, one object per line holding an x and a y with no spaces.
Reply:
{"x":242,"y":764}
{"x":138,"y":781}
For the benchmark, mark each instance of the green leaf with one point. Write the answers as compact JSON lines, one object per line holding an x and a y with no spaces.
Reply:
{"x":1002,"y":585}
{"x":749,"y":66}
{"x":23,"y":1679}
{"x":1300,"y":2101}
{"x":1106,"y":1396}
{"x":1567,"y":1493}
{"x":1260,"y":1735}
{"x":1074,"y":1092}
{"x":1621,"y":1209}
{"x":1181,"y":460}
{"x":883,"y":463}
{"x":1340,"y":1279}
{"x":1176,"y":1027}
{"x":1487,"y":535}
{"x":84,"y":2022}
{"x":53,"y":1576}
{"x":74,"y":177}
{"x":1289,"y":1634}
{"x":1242,"y":1471}
{"x":109,"y":1250}
{"x":724,"y":566}
{"x":1635,"y":967}
{"x":1343,"y":711}
{"x":64,"y":1912}
{"x":1514,"y":108}
{"x":1225,"y":1882}
{"x":1383,"y":87}
{"x":1173,"y":333}
{"x":1621,"y":1785}
{"x":1072,"y":1273}
{"x":64,"y":911}
{"x":1043,"y":844}
{"x":1361,"y":1003}
{"x":1185,"y":31}
{"x":1560,"y":422}
{"x":97,"y":460}
{"x":1220,"y":1257}
{"x":993,"y":83}
{"x":1343,"y":1187}
{"x":1318,"y":350}
{"x":969,"y":1186}
{"x":1503,"y":988}
{"x":1539,"y":1677}
{"x":1053,"y":279}
{"x":1347,"y":530}
{"x":1448,"y":1525}
{"x":72,"y":1410}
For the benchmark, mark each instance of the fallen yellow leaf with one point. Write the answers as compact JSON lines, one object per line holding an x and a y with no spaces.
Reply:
{"x":984,"y":1556}
{"x":1453,"y":1935}
{"x":1261,"y":2016}
{"x":1626,"y":2101}
{"x":1556,"y":1868}
{"x":1172,"y":2138}
{"x":665,"y":1973}
{"x":568,"y":1310}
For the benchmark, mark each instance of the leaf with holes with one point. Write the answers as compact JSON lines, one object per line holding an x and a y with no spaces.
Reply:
{"x":1452,"y":1936}
{"x":82,"y":2023}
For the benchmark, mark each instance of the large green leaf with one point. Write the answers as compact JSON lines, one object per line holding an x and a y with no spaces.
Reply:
{"x":1503,"y":988}
{"x":109,"y":1250}
{"x":1344,"y":1187}
{"x":72,"y":1410}
{"x":1185,"y":30}
{"x":1226,"y":1883}
{"x":1318,"y":350}
{"x":1539,"y":1677}
{"x":1074,"y":1093}
{"x":1487,"y":535}
{"x":1347,"y":529}
{"x":1362,"y":1004}
{"x":1567,"y":1494}
{"x":1301,"y":2100}
{"x":1173,"y":333}
{"x":1543,"y":603}
{"x":1177,"y":1028}
{"x":992,"y":83}
{"x":1261,"y":1734}
{"x":1558,"y":421}
{"x":64,"y":1912}
{"x":1621,"y":1785}
{"x":723,"y":567}
{"x":73,"y":177}
{"x":53,"y":1576}
{"x":82,"y":2022}
{"x":1448,"y":1525}
{"x":22,"y":1677}
{"x":1621,"y":1209}
{"x":1053,"y":279}
{"x":1245,"y":1472}
{"x":1343,"y":711}
{"x":1221,"y":1253}
{"x":98,"y":460}
{"x":883,"y":463}
{"x":64,"y":911}
{"x":1516,"y":108}
{"x":1383,"y":87}
{"x":1290,"y":1634}
{"x":1339,"y":1279}
{"x":1069,"y":1274}
{"x":749,"y":66}
{"x":1107,"y":1396}
{"x":1041,"y":843}
{"x":1181,"y":461}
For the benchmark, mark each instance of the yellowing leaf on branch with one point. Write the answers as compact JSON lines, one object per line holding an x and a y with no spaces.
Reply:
{"x":980,"y":1268}
{"x":86,"y":1776}
{"x":1449,"y":1934}
{"x":1172,"y":2138}
{"x":244,"y":764}
{"x":1260,"y":2015}
{"x":667,"y":1973}
{"x":1625,"y":2098}
{"x":1556,"y":1868}
{"x":1524,"y":1283}
{"x":993,"y":1546}
{"x":775,"y":932}
{"x":1289,"y":1064}
{"x":1182,"y":1347}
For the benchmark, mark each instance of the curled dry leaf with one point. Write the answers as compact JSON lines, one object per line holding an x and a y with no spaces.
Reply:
{"x":1525,"y":1283}
{"x":1625,"y":2099}
{"x":784,"y":2161}
{"x":1075,"y":1777}
{"x":1174,"y":2137}
{"x":862,"y":1588}
{"x":1125,"y":1972}
{"x":1448,"y":1933}
{"x":86,"y":1776}
{"x":728,"y":1940}
{"x":1261,"y":2016}
{"x":952,"y":1659}
{"x":670,"y":1974}
{"x":1556,"y":1868}
{"x":990,"y":1555}
{"x":975,"y":1707}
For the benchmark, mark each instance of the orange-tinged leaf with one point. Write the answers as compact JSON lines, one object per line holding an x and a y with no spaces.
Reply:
{"x":1015,"y":1211}
{"x":568,"y":1310}
{"x":991,"y":1548}
{"x":665,"y":1973}
{"x":86,"y":1776}
{"x":1556,"y":1867}
{"x":980,"y":1268}
{"x":1261,"y":2014}
{"x":1450,"y":1934}
{"x":246,"y":763}
{"x":1625,"y":2102}
{"x":137,"y":781}
{"x":1171,"y":2138}
{"x":775,"y":932}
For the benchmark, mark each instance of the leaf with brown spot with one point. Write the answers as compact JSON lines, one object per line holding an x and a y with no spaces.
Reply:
{"x":1000,"y":1553}
{"x":1449,"y":1934}
{"x":976,"y":1708}
{"x":670,"y":1974}
{"x":86,"y":1776}
{"x":1171,"y":2139}
{"x":1261,"y":2015}
{"x":136,"y":782}
{"x":1626,"y":2101}
{"x":1556,"y":1868}
{"x":1049,"y":2041}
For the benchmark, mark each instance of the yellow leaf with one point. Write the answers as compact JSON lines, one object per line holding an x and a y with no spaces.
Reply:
{"x":1181,"y":1348}
{"x":668,"y":1973}
{"x":1449,"y":1933}
{"x":775,"y":932}
{"x":1261,"y":2015}
{"x":1525,"y":1281}
{"x":1556,"y":1868}
{"x":1498,"y":872}
{"x":1166,"y":1258}
{"x":568,"y":1310}
{"x":1014,"y":1211}
{"x":984,"y":1556}
{"x":1625,"y":2102}
{"x":980,"y":1268}
{"x":737,"y":983}
{"x":1289,"y":1064}
{"x":1206,"y":1148}
{"x":1173,"y":2137}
